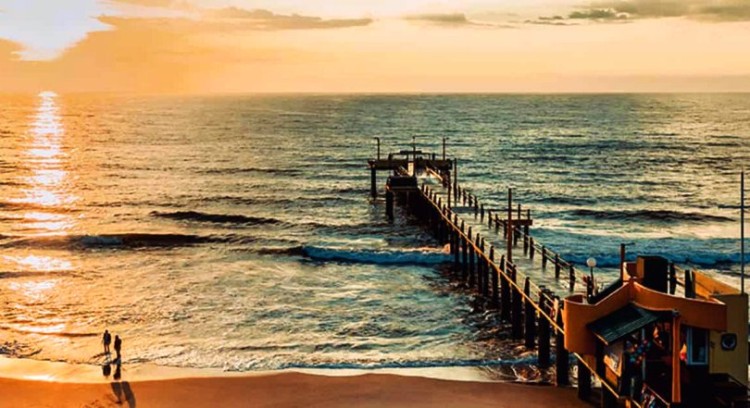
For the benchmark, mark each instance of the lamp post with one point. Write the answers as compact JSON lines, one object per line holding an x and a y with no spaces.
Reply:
{"x":622,"y":258}
{"x":591,"y":262}
{"x":378,"y":139}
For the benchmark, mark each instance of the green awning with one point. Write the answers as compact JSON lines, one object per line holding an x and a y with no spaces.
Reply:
{"x":621,"y":323}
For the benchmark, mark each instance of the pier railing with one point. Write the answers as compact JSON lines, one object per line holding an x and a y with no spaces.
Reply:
{"x":531,"y":247}
{"x":534,"y":311}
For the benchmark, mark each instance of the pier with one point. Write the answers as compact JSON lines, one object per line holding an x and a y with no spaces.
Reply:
{"x":529,"y":286}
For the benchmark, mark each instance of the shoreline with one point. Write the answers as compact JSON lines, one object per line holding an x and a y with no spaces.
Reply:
{"x":62,"y":372}
{"x":30,"y":383}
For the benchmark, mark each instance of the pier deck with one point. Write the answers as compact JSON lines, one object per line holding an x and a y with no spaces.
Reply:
{"x":495,"y":255}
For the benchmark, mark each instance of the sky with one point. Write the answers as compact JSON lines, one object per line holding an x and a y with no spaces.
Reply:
{"x":246,"y":46}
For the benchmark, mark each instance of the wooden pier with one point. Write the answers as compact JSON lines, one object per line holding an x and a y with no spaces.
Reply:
{"x":511,"y":274}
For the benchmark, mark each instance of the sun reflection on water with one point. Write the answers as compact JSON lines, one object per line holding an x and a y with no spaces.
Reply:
{"x":44,"y":204}
{"x":46,"y":190}
{"x":40,"y":263}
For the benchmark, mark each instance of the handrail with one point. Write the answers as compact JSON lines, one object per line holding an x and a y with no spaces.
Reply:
{"x":658,"y":396}
{"x":551,"y":255}
{"x":448,"y":216}
{"x":481,"y":254}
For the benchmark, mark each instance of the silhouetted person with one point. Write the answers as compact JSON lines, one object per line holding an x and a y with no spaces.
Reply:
{"x":106,"y":339}
{"x":118,"y":346}
{"x":106,"y":369}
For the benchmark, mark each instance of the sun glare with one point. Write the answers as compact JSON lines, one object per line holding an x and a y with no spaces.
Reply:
{"x":40,"y":263}
{"x":46,"y":191}
{"x":47,"y":28}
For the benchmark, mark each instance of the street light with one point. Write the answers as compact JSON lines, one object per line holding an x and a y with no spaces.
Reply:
{"x":591,"y":262}
{"x":378,"y":139}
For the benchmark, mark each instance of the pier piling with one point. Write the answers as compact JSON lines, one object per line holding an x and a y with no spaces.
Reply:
{"x":389,"y":204}
{"x":531,"y":248}
{"x":584,"y":381}
{"x":530,"y":316}
{"x":495,"y":303}
{"x":562,"y":363}
{"x":572,"y":277}
{"x":517,"y":329}
{"x":505,"y":291}
{"x":373,"y":183}
{"x":543,"y":351}
{"x":470,"y":281}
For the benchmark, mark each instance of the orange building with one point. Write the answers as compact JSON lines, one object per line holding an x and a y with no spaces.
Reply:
{"x":662,"y":341}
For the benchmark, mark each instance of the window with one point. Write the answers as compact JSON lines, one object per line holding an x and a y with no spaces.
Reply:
{"x":697,"y":346}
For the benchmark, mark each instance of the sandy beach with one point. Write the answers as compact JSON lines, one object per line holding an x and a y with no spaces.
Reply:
{"x":26,"y":383}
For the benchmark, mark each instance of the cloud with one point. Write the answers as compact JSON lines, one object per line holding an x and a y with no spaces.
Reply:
{"x":142,"y":55}
{"x":259,"y":19}
{"x":9,"y":50}
{"x":736,"y":11}
{"x":45,"y":29}
{"x":551,"y":20}
{"x":598,"y":14}
{"x":176,"y":4}
{"x":609,"y":11}
{"x":450,"y":19}
{"x":713,"y":10}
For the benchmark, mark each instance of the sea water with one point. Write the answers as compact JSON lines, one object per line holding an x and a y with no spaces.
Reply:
{"x":238,"y":232}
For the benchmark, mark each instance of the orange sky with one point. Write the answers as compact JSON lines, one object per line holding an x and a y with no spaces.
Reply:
{"x":158,"y":46}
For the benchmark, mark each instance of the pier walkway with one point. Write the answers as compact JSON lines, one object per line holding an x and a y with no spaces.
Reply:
{"x":531,"y":258}
{"x":495,"y":255}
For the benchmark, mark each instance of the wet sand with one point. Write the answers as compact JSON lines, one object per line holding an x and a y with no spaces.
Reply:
{"x":26,"y":383}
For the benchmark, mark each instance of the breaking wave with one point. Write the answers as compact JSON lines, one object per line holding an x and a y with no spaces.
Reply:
{"x":126,"y":240}
{"x":214,"y":218}
{"x":378,"y":257}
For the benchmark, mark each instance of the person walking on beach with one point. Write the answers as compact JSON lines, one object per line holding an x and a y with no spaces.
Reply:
{"x":106,"y":339}
{"x":118,"y":346}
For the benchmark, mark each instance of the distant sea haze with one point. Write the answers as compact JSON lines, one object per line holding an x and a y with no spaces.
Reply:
{"x":238,"y":232}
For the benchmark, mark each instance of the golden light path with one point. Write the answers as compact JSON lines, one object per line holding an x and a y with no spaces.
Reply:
{"x":46,"y":158}
{"x":44,"y":203}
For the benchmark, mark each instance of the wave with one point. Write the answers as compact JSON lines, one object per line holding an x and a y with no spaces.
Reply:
{"x":362,"y":256}
{"x":244,"y":170}
{"x":23,"y":274}
{"x":126,"y":240}
{"x":350,"y":190}
{"x":289,"y":251}
{"x":21,"y":206}
{"x":378,"y":257}
{"x":214,"y":218}
{"x":276,"y":201}
{"x":415,"y":364}
{"x":649,"y":215}
{"x":38,"y":332}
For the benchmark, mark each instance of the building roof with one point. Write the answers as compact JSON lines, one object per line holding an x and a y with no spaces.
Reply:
{"x":621,"y":323}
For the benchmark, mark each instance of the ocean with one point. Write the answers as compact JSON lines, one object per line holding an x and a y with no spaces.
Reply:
{"x":238,"y":233}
